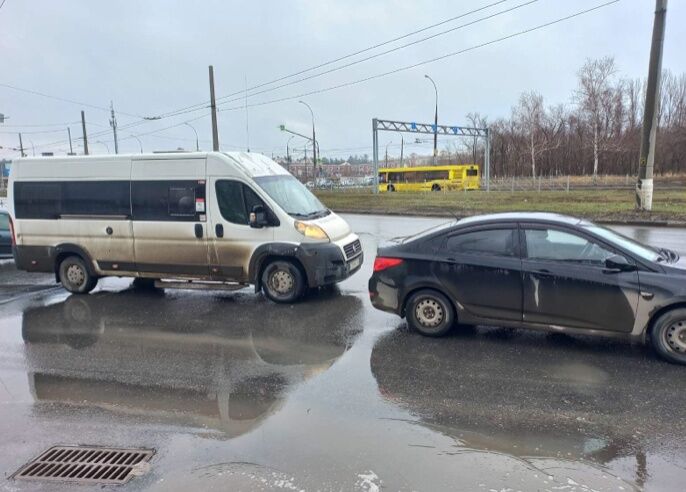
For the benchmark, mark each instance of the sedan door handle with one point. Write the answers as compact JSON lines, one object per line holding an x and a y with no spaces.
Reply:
{"x":198,"y":231}
{"x":219,"y":230}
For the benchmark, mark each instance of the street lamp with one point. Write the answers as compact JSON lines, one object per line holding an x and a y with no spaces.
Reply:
{"x":435,"y":119}
{"x":103,"y":143}
{"x":140,"y":144}
{"x":314,"y":137}
{"x":389,"y":143}
{"x":33,"y":147}
{"x":197,"y":144}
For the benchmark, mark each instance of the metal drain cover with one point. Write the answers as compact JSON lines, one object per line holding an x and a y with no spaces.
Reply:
{"x":87,"y":465}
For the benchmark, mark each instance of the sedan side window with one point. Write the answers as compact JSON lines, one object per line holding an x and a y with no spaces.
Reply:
{"x":492,"y":242}
{"x":554,"y":245}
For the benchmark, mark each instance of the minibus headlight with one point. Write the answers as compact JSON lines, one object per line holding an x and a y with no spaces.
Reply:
{"x":310,"y":230}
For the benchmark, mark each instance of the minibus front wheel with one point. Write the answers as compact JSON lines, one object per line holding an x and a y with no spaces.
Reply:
{"x":75,"y":277}
{"x":282,"y":281}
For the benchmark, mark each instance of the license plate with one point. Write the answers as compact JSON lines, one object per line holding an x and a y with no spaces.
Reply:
{"x":354,"y":264}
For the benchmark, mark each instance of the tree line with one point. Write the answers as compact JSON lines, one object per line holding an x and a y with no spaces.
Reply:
{"x":598,"y":133}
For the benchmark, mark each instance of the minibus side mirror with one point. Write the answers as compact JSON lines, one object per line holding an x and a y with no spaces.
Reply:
{"x":258,"y":217}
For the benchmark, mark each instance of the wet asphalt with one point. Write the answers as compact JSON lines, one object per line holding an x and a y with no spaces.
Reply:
{"x":236,"y":393}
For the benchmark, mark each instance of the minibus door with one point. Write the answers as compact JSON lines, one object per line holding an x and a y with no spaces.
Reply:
{"x":233,"y":240}
{"x":170,"y":217}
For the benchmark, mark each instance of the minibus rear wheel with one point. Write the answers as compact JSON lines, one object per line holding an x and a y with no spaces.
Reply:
{"x":75,"y":277}
{"x":282,"y":281}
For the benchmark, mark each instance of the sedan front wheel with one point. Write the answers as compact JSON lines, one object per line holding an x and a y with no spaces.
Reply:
{"x":668,"y":336}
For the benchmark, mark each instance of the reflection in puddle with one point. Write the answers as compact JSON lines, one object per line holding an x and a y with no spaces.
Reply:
{"x":190,"y":360}
{"x":536,"y":399}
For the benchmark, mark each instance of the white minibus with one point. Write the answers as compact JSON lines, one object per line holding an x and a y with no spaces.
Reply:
{"x":184,"y":220}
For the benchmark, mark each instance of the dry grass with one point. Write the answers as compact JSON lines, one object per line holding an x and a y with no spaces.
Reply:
{"x":605,"y":205}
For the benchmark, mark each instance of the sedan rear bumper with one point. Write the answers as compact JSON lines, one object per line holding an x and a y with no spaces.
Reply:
{"x":384,"y":297}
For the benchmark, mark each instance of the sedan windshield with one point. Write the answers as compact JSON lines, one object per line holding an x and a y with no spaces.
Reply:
{"x":634,"y":247}
{"x":292,"y":196}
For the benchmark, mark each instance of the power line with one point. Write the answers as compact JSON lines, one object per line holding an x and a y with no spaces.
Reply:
{"x":42,"y":126}
{"x":335,"y":60}
{"x":425,"y":62}
{"x":383,"y":53}
{"x":63,"y":99}
{"x":3,"y":3}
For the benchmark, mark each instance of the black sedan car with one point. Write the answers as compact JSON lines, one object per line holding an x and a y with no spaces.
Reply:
{"x":535,"y":270}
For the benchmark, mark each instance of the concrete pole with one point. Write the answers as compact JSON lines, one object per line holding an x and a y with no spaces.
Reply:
{"x":113,"y":124}
{"x":85,"y":135}
{"x":21,"y":146}
{"x":644,"y":186}
{"x":213,"y":105}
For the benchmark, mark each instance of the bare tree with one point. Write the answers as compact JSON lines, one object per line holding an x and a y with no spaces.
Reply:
{"x":529,"y":115}
{"x":476,"y":121}
{"x":595,"y":78}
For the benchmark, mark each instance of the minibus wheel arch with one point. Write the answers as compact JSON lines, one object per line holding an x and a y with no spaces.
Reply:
{"x":64,"y":251}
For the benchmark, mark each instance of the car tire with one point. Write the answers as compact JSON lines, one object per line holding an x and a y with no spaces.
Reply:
{"x":435,"y":188}
{"x":668,"y":336}
{"x":74,"y":276}
{"x":430,"y":313}
{"x":390,"y":188}
{"x":283,"y":282}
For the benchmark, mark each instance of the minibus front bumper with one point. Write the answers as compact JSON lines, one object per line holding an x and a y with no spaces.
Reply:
{"x":326,"y":264}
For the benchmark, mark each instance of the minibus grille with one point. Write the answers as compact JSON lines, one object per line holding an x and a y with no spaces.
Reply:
{"x":353,"y":249}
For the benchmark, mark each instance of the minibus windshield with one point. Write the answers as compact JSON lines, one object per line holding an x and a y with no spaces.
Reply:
{"x":292,"y":196}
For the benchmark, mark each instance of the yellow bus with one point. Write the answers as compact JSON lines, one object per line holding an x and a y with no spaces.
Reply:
{"x":430,"y":178}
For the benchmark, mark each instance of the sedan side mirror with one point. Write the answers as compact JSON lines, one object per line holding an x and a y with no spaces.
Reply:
{"x":619,"y":263}
{"x":258,"y":217}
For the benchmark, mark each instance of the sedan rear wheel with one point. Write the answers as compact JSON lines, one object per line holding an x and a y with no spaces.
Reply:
{"x":430,"y":313}
{"x":668,"y":336}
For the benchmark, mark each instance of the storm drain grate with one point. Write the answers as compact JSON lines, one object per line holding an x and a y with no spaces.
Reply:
{"x":87,"y":465}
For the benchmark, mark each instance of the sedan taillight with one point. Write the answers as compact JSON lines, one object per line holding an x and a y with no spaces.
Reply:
{"x":382,"y":263}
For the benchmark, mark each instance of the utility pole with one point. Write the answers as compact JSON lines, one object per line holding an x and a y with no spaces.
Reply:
{"x":644,"y":186}
{"x":247,"y":121}
{"x":85,"y":136}
{"x":21,"y":146}
{"x":113,"y":124}
{"x":213,"y":105}
{"x":71,"y":149}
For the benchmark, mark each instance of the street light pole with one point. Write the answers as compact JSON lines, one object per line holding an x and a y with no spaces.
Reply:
{"x":435,"y":120}
{"x":314,"y":137}
{"x":140,"y":144}
{"x":386,"y":159}
{"x":103,"y":143}
{"x":197,"y":144}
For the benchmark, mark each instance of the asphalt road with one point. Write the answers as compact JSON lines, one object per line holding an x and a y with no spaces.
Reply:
{"x":236,"y":393}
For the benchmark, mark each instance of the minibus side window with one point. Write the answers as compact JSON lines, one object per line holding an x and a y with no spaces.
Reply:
{"x":182,"y":201}
{"x":178,"y":200}
{"x":236,"y":200}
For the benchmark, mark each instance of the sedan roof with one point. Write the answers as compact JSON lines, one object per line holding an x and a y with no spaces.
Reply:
{"x":522,"y":216}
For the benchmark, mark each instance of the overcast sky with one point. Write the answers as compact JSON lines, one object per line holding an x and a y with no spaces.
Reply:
{"x":151,"y":57}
